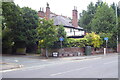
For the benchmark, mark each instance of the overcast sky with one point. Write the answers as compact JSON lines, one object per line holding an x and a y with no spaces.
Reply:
{"x":59,"y":7}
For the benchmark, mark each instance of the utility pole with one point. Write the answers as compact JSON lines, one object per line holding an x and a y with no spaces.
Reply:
{"x":117,"y":22}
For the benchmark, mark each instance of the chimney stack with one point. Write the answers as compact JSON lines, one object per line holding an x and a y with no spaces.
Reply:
{"x":75,"y":17}
{"x":47,"y":12}
{"x":41,"y":13}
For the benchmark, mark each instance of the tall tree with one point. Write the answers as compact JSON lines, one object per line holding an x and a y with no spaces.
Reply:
{"x":118,"y":19}
{"x":86,"y":17}
{"x":22,"y":23}
{"x":13,"y":22}
{"x":103,"y":21}
{"x":30,"y":23}
{"x":47,"y":33}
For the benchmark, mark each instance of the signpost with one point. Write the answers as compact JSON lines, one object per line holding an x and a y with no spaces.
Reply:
{"x":105,"y":49}
{"x":61,"y":39}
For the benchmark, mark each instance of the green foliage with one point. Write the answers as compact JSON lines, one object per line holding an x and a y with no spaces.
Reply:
{"x":30,"y":23}
{"x":104,"y":20}
{"x":110,"y":39}
{"x":103,"y":35}
{"x":77,"y":42}
{"x":87,"y":16}
{"x":38,"y":51}
{"x":118,"y":26}
{"x":22,"y":23}
{"x":6,"y":38}
{"x":13,"y":20}
{"x":93,"y":40}
{"x":21,"y":50}
{"x":119,"y":29}
{"x":47,"y":33}
{"x":60,"y":33}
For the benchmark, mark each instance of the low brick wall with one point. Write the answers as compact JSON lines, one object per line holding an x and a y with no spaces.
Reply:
{"x":119,"y":47}
{"x":73,"y":51}
{"x":101,"y":51}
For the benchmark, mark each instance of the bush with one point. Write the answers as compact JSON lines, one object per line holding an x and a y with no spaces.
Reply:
{"x":77,"y":42}
{"x":38,"y":51}
{"x":21,"y":50}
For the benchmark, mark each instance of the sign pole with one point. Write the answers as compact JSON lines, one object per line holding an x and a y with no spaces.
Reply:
{"x":105,"y":49}
{"x":106,"y":45}
{"x":61,"y":44}
{"x":61,"y":40}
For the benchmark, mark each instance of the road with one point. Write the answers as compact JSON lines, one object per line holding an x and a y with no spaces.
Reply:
{"x":99,"y":67}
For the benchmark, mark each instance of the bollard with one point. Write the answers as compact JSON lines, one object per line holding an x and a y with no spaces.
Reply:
{"x":104,"y":51}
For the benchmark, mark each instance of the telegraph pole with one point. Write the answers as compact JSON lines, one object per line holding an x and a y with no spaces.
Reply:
{"x":117,"y":25}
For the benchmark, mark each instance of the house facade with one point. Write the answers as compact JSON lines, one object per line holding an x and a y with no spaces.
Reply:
{"x":70,"y":25}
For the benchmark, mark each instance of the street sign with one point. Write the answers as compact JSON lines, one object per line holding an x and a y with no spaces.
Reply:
{"x":61,"y":38}
{"x":106,"y":38}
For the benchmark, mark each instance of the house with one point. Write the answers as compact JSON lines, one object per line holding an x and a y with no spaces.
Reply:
{"x":70,"y":25}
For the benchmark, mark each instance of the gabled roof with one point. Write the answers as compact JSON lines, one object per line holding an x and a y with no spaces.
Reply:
{"x":62,"y":20}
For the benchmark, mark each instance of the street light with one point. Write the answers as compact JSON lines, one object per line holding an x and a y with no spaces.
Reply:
{"x":117,"y":21}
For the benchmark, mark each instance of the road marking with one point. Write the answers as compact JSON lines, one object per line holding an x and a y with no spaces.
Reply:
{"x":68,"y":71}
{"x":110,"y":62}
{"x":16,"y":60}
{"x":44,"y":60}
{"x":8,"y":70}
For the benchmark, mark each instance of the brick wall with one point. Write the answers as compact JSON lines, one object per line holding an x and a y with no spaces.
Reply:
{"x":76,"y":51}
{"x":119,"y":47}
{"x":73,"y":51}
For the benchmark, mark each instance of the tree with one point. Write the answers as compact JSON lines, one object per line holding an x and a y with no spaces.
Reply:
{"x":30,"y":23}
{"x":60,"y":33}
{"x":13,"y":22}
{"x":110,"y":40}
{"x":86,"y":17}
{"x":118,"y":17}
{"x":93,"y":40}
{"x":119,"y":29}
{"x":103,"y":21}
{"x":47,"y":33}
{"x":22,"y":23}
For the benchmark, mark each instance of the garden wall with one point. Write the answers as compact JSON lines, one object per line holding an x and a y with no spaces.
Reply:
{"x":119,"y":47}
{"x":75,"y":51}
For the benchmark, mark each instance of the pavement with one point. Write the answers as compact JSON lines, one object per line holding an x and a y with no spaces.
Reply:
{"x":9,"y":62}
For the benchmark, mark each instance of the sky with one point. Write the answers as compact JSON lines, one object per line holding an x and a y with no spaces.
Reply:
{"x":60,"y":7}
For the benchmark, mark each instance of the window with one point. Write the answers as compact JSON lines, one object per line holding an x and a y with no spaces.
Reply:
{"x":70,"y":30}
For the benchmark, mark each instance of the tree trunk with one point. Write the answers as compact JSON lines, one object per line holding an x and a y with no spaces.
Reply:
{"x":46,"y":53}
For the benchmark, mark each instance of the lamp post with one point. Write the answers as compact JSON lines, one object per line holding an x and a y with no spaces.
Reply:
{"x":117,"y":21}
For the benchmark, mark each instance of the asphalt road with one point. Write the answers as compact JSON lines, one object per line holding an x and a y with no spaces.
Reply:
{"x":100,"y":67}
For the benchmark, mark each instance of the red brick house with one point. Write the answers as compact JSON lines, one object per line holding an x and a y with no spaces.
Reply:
{"x":70,"y":25}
